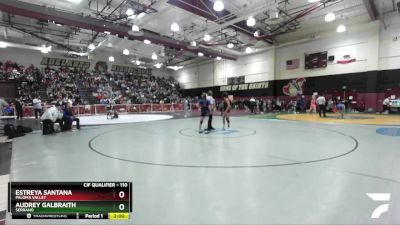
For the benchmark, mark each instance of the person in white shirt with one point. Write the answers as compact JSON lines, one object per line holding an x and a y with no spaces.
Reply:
{"x":385,"y":104}
{"x":49,"y":117}
{"x":212,"y":107}
{"x":53,"y":113}
{"x":321,"y":101}
{"x":37,"y":106}
{"x":278,"y":104}
{"x":252,"y":104}
{"x":186,"y":107}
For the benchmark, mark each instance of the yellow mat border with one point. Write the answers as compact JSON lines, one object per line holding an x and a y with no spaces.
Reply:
{"x":370,"y":119}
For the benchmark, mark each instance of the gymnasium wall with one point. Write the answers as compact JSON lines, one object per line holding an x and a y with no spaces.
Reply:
{"x":373,"y":76}
{"x":256,"y":67}
{"x":373,"y":47}
{"x":360,"y":42}
{"x":368,"y":89}
{"x":389,"y":45}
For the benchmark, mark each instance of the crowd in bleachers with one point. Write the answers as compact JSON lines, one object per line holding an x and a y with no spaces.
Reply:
{"x":52,"y":92}
{"x":28,"y":79}
{"x":129,"y":89}
{"x":57,"y":84}
{"x":62,"y":84}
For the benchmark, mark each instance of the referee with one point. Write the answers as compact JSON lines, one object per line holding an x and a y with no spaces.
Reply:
{"x":212,"y":107}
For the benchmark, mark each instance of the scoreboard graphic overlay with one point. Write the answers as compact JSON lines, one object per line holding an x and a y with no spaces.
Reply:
{"x":66,"y":200}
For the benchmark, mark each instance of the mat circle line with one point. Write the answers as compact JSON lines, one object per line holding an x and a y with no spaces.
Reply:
{"x":90,"y":145}
{"x":209,"y":135}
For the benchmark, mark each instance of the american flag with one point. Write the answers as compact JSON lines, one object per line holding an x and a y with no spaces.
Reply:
{"x":292,"y":64}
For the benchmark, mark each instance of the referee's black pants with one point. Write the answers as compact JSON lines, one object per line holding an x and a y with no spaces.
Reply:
{"x":322,"y":110}
{"x":209,"y":124}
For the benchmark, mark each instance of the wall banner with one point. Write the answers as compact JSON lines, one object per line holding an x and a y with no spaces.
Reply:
{"x":245,"y":87}
{"x":127,"y":69}
{"x":65,"y":63}
{"x":294,"y":87}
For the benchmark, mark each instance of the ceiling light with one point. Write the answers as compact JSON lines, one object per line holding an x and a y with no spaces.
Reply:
{"x":135,"y":28}
{"x":312,"y":1}
{"x":58,"y":25}
{"x":129,"y":12}
{"x":147,"y":42}
{"x":207,"y":37}
{"x":3,"y":44}
{"x":45,"y":49}
{"x":125,"y":52}
{"x":193,"y":45}
{"x":154,"y":56}
{"x":141,"y":15}
{"x":176,"y":68}
{"x":230,"y":45}
{"x":174,"y":27}
{"x":218,"y":6}
{"x":74,"y":1}
{"x":138,"y":62}
{"x":91,"y":47}
{"x":251,"y":21}
{"x":341,"y":28}
{"x":200,"y":54}
{"x":81,"y":54}
{"x":111,"y":59}
{"x":158,"y":65}
{"x":135,"y":31}
{"x":330,"y":17}
{"x":249,"y":50}
{"x":218,"y":58}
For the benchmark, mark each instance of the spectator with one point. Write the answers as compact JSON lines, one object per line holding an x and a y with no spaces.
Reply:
{"x":341,"y":108}
{"x":385,"y":105}
{"x":278,"y":104}
{"x":8,"y":110}
{"x":313,"y":104}
{"x":37,"y":107}
{"x":18,"y":108}
{"x":3,"y":104}
{"x":330,"y":105}
{"x":252,"y":104}
{"x":303,"y":104}
{"x":68,"y":119}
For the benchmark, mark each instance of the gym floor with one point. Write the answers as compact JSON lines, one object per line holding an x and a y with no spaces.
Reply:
{"x":259,"y":171}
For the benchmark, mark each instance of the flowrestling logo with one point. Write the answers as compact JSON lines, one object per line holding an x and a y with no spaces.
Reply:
{"x":379,"y":197}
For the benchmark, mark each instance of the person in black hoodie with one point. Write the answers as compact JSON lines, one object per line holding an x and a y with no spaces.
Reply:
{"x":18,"y":108}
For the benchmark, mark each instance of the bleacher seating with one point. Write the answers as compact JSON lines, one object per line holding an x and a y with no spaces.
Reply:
{"x":88,"y":88}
